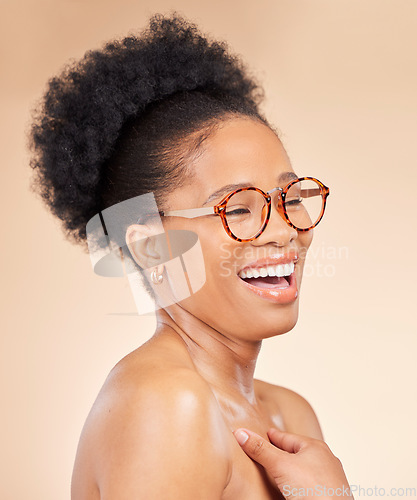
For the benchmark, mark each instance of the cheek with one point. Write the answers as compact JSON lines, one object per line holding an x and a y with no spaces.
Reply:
{"x":220,"y":259}
{"x":304,"y":242}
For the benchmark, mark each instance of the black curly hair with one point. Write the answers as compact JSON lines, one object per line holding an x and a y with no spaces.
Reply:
{"x":126,"y":120}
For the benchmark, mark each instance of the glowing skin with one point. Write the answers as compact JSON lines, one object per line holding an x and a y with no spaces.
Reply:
{"x":226,"y":319}
{"x":180,"y":395}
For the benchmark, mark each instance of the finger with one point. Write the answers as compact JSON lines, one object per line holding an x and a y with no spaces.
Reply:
{"x":287,"y":441}
{"x":259,"y":449}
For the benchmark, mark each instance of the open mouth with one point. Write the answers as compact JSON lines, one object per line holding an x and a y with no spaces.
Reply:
{"x":269,"y":281}
{"x":269,"y":277}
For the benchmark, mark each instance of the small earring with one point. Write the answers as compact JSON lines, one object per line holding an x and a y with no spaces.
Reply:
{"x":156,"y":278}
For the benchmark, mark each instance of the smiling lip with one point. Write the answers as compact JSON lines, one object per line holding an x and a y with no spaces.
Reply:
{"x":277,"y":295}
{"x":273,"y":260}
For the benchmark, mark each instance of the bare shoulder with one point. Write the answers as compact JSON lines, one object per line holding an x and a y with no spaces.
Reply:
{"x":296,"y":412}
{"x":150,"y":422}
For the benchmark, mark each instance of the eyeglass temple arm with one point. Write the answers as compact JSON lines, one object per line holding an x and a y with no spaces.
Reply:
{"x":189,"y":213}
{"x":305,"y":193}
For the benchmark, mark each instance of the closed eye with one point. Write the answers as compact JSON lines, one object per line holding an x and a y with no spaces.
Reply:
{"x":295,"y":202}
{"x":237,"y":211}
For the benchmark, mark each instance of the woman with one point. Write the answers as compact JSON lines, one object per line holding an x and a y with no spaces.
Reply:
{"x":174,"y":114}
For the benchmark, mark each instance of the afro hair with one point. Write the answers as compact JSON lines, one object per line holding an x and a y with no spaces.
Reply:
{"x":123,"y":120}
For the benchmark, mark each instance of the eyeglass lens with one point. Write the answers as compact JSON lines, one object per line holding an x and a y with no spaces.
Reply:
{"x":246,"y":211}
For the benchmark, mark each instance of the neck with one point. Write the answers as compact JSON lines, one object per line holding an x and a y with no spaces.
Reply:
{"x":226,"y":363}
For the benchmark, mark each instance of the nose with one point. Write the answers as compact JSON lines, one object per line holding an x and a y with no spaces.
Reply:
{"x":277,"y":228}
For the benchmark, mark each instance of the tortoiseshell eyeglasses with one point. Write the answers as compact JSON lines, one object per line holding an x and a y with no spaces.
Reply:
{"x":245,"y":212}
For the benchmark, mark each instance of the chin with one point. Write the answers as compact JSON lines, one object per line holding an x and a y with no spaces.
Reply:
{"x":278,"y":321}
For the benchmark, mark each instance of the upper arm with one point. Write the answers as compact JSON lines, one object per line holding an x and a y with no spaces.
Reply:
{"x":160,"y":440}
{"x":298,"y":415}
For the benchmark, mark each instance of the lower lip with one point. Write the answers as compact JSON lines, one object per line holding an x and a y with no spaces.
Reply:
{"x":277,"y":295}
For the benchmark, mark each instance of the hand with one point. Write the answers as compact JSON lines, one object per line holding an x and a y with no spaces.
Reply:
{"x":296,"y":463}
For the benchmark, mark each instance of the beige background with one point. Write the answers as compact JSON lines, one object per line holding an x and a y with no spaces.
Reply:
{"x":340,"y":78}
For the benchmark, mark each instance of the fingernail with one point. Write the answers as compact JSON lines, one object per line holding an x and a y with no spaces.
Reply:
{"x":241,"y":437}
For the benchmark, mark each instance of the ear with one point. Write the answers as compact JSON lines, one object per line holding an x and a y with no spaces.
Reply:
{"x":144,"y":245}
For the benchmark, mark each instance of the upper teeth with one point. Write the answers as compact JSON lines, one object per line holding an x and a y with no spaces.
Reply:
{"x":278,"y":270}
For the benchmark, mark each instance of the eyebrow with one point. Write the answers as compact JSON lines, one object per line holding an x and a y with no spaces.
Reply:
{"x":284,"y":176}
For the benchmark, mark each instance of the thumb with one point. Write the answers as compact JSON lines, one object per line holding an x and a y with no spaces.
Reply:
{"x":259,"y":449}
{"x":287,"y":441}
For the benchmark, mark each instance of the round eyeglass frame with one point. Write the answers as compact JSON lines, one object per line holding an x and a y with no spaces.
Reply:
{"x":220,"y":208}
